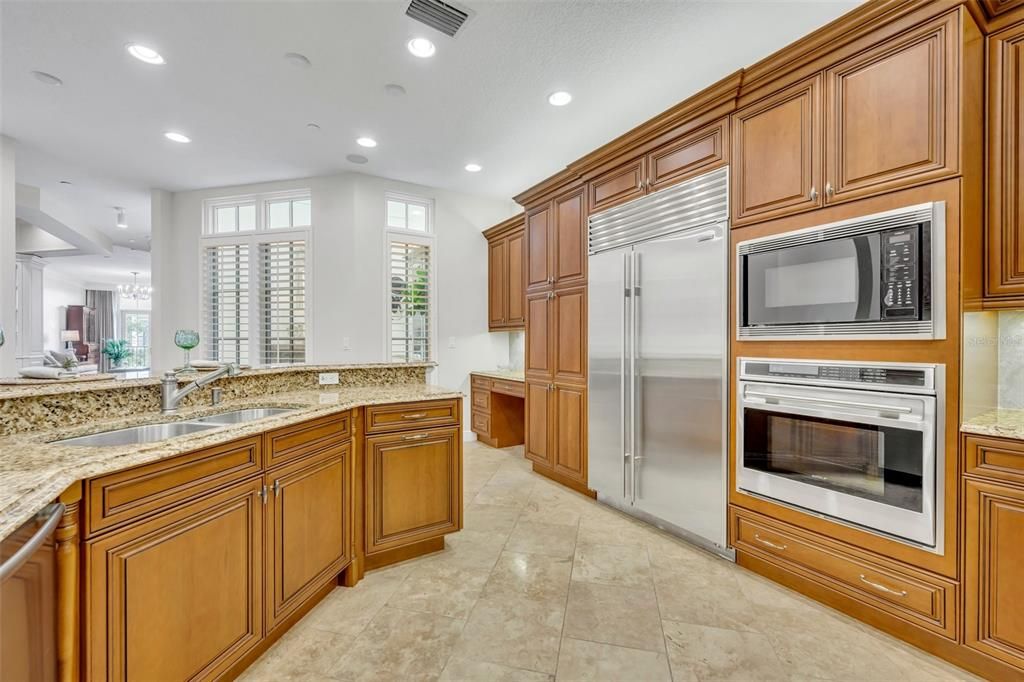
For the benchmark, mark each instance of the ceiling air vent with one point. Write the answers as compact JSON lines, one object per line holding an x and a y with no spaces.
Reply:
{"x":441,"y":16}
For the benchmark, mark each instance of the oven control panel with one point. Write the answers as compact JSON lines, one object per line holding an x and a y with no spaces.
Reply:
{"x":900,"y":287}
{"x":838,"y":374}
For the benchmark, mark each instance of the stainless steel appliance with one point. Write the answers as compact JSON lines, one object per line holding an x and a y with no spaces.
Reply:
{"x":657,"y":345}
{"x":857,"y":442}
{"x":878,"y":276}
{"x":28,"y":585}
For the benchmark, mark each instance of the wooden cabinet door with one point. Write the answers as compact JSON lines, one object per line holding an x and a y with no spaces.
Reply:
{"x":777,"y":160}
{"x":698,"y":152}
{"x":539,"y":428}
{"x":891,"y":113}
{"x":540,"y":330}
{"x":539,"y":247}
{"x":180,"y":595}
{"x":570,"y":325}
{"x":515,"y":256}
{"x":413,"y":487}
{"x":617,"y":186}
{"x":570,"y":229}
{"x":497,"y":283}
{"x":308,"y":537}
{"x":994,"y":571}
{"x":570,"y":439}
{"x":1006,"y":164}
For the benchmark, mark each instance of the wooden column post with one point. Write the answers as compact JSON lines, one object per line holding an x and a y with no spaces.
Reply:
{"x":354,"y":573}
{"x":67,"y":537}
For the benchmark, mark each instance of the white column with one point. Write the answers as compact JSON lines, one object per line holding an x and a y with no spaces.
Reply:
{"x":161,"y":255}
{"x":8,"y":365}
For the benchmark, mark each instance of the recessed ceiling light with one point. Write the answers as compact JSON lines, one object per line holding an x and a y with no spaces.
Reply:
{"x":559,"y":98}
{"x":474,"y":167}
{"x":122,"y":219}
{"x":177,"y":137}
{"x":145,"y":54}
{"x":313,"y":126}
{"x":297,"y":59}
{"x":47,"y":78}
{"x":421,"y":47}
{"x":356,"y":158}
{"x":65,"y":182}
{"x":394,"y":89}
{"x":366,"y":142}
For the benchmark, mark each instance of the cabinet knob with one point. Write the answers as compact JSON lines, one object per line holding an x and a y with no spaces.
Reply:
{"x":814,"y":194}
{"x":277,"y":488}
{"x":828,"y":189}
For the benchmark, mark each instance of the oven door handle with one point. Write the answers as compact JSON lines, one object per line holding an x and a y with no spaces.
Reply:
{"x":828,"y":402}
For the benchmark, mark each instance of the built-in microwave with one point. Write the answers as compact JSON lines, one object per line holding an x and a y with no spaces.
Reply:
{"x":880,"y":276}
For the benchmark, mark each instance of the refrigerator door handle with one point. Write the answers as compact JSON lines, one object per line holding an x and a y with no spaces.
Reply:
{"x":623,"y":425}
{"x":633,"y":346}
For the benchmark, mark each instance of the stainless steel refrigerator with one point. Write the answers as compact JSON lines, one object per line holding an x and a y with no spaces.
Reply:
{"x":658,"y":358}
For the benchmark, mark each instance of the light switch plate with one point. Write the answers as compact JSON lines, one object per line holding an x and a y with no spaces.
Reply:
{"x":451,"y":342}
{"x":328,"y":378}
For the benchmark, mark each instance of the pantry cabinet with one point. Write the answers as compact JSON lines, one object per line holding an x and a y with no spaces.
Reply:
{"x":506,"y":275}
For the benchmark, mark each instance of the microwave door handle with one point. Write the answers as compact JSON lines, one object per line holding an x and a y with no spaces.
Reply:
{"x":827,"y":402}
{"x":868,"y":278}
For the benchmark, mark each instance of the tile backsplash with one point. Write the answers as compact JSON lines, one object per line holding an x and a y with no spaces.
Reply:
{"x":516,"y":351}
{"x":993,"y":368}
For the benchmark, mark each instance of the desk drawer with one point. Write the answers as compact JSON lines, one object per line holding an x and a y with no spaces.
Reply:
{"x":481,"y":424}
{"x":428,"y":414}
{"x":513,"y":388}
{"x":481,"y":400}
{"x":922,"y":598}
{"x":480,"y":382}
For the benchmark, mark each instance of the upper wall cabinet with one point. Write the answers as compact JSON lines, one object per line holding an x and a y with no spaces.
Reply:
{"x":1005,"y":244}
{"x":696,"y":152}
{"x":556,"y":242}
{"x":884,"y":118}
{"x":506,"y":275}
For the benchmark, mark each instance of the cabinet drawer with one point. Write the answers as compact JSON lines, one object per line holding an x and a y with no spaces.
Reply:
{"x":513,"y":388}
{"x":380,"y":418}
{"x":129,"y":495}
{"x":481,"y":399}
{"x":482,"y":383}
{"x":481,"y":423}
{"x":924,"y":599}
{"x":290,"y":442}
{"x":994,"y":458}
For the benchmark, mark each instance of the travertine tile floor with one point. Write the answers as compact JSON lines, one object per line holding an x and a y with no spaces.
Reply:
{"x":545,"y":584}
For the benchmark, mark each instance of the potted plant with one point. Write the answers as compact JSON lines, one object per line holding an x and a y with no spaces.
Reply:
{"x":117,"y":350}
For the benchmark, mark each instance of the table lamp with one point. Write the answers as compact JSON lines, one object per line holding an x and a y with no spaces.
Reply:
{"x":69,"y":337}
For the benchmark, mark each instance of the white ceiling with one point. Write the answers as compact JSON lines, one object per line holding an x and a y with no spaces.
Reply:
{"x":482,"y":98}
{"x":102,"y":271}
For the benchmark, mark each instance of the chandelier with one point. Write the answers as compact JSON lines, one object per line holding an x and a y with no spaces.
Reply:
{"x":135,"y":291}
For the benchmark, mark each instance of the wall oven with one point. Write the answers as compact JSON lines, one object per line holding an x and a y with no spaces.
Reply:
{"x":861,"y":443}
{"x":875,"y":277}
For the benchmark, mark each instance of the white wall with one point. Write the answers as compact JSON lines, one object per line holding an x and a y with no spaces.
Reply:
{"x":58,"y":293}
{"x":348,"y":272}
{"x":8,"y":365}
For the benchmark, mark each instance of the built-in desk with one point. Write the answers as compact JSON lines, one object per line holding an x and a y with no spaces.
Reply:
{"x":498,"y":408}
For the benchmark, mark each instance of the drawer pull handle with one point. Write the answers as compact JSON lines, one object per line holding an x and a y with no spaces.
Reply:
{"x":881,"y":587}
{"x":416,"y":436}
{"x":771,"y":544}
{"x":418,"y":415}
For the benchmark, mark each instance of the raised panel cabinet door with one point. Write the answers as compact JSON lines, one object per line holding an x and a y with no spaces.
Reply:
{"x":570,"y":441}
{"x":891,"y":113}
{"x":515,"y":308}
{"x":413,"y":487}
{"x":180,"y":595}
{"x":617,"y":186}
{"x":570,"y":314}
{"x":540,"y":327}
{"x":570,"y":261}
{"x":1006,"y":164}
{"x":308,"y":537}
{"x":539,"y":246}
{"x":776,"y":154}
{"x":497,"y":283}
{"x":994,"y":571}
{"x":539,"y":428}
{"x":697,"y":152}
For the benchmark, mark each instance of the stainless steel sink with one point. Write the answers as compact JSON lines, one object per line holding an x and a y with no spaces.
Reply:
{"x":241,"y":416}
{"x":136,"y":435}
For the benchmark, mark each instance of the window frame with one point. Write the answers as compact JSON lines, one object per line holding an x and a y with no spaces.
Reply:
{"x":251,"y":240}
{"x":426,"y":238}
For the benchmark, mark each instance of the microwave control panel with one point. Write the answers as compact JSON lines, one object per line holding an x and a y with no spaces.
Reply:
{"x":900,"y":287}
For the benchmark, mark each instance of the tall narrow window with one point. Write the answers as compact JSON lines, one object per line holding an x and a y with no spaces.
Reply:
{"x":283,"y":297}
{"x":226,"y":274}
{"x":410,"y":279}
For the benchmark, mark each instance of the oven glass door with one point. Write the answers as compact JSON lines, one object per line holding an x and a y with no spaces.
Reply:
{"x":831,"y":281}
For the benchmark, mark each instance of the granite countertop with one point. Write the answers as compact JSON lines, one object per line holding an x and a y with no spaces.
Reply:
{"x":34,"y":471}
{"x":506,"y":374}
{"x":1004,"y":423}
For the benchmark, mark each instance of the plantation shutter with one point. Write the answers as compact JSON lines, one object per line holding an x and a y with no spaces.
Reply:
{"x":226,"y":309}
{"x":411,"y":307}
{"x":283,"y":302}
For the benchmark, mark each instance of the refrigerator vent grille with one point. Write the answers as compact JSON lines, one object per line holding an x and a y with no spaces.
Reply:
{"x":438,"y":15}
{"x":688,"y":206}
{"x":847,"y":228}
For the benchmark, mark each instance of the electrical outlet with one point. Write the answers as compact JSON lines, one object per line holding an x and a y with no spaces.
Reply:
{"x":328,"y":378}
{"x":346,"y":343}
{"x":451,"y":342}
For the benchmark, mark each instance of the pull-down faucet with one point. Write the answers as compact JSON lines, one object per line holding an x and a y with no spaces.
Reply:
{"x":171,"y":395}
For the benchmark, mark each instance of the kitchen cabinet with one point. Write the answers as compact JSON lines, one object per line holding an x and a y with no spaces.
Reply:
{"x":539,"y":418}
{"x":540,"y":333}
{"x":570,"y":431}
{"x":556,"y":242}
{"x":308,"y":527}
{"x":178,"y":595}
{"x":1005,"y":233}
{"x":506,"y":275}
{"x":693,"y":153}
{"x":539,"y":245}
{"x":569,"y":311}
